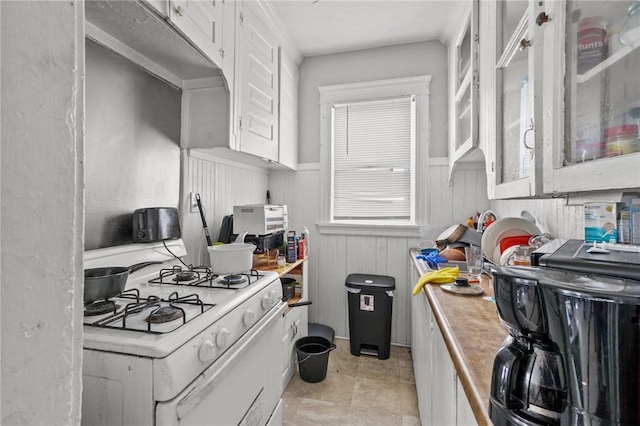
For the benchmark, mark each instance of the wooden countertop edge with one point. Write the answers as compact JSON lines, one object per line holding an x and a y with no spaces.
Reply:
{"x":478,"y":405}
{"x":283,"y":270}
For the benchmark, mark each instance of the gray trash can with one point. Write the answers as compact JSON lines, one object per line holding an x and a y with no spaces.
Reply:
{"x":370,"y":300}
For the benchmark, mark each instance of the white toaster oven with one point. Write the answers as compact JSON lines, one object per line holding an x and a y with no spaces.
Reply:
{"x":260,"y":219}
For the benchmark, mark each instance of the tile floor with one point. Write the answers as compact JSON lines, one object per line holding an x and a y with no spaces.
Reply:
{"x":357,"y":391}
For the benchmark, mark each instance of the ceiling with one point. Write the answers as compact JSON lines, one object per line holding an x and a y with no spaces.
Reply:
{"x":321,"y":27}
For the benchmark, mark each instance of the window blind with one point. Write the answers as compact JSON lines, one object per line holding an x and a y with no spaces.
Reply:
{"x":372,"y":154}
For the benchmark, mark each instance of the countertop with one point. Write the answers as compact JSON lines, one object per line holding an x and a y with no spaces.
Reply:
{"x":262,"y":263}
{"x":473,"y":334}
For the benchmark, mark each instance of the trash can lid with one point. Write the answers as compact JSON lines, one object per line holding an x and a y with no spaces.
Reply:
{"x":370,"y":282}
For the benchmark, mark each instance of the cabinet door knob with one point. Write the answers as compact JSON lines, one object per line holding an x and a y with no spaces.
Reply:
{"x":180,"y":11}
{"x":542,"y":18}
{"x":524,"y":43}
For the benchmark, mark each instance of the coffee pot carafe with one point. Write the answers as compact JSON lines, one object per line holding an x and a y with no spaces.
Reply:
{"x":527,"y":381}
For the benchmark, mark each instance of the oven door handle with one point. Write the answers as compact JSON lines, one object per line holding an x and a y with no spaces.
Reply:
{"x":208,"y":380}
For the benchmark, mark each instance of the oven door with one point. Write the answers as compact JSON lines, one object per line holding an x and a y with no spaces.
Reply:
{"x":242,"y":387}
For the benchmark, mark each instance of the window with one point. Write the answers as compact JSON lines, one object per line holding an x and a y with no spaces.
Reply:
{"x":371,"y":135}
{"x":372,"y":175}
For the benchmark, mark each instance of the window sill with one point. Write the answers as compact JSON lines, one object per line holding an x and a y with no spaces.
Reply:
{"x":410,"y":231}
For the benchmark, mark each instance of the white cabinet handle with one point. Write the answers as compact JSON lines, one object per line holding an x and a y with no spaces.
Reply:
{"x":180,"y":11}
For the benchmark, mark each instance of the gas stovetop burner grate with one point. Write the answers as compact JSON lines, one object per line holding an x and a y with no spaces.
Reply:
{"x":233,"y":282}
{"x":179,"y":275}
{"x":165,"y":314}
{"x":233,"y":279}
{"x":156,"y":312}
{"x":100,"y":307}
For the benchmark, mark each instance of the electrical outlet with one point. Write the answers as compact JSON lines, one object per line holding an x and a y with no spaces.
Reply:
{"x":193,"y":204}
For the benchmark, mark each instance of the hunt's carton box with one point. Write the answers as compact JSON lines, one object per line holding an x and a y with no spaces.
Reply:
{"x":600,"y":223}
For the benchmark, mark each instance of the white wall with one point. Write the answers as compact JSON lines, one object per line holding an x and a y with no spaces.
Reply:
{"x":221,"y":184}
{"x":555,"y":216}
{"x":333,"y":257}
{"x":426,"y":58}
{"x":132,"y":145}
{"x":42,"y":48}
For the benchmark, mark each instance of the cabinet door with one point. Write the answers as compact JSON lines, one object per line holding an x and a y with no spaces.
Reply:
{"x":464,"y":105}
{"x":592,"y":95}
{"x":443,"y":381}
{"x":228,"y":32}
{"x":257,"y":83}
{"x":160,"y":6}
{"x":421,"y":332}
{"x":464,"y":414}
{"x":517,"y":155}
{"x":292,"y":324}
{"x":200,"y":21}
{"x":205,"y":116}
{"x":288,"y":114}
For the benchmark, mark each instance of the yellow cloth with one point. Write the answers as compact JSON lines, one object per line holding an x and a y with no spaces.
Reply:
{"x":442,"y":276}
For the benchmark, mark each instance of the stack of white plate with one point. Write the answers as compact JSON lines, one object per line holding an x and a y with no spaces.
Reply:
{"x":503,"y":228}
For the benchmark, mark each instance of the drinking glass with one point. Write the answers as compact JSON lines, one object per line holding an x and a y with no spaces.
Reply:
{"x":474,"y":261}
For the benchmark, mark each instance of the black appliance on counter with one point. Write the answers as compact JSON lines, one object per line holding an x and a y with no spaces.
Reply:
{"x":572,"y":356}
{"x":153,"y":224}
{"x":263,"y":243}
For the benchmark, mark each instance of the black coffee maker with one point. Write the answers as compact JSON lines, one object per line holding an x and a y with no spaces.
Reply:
{"x":527,"y":384}
{"x":573,"y":352}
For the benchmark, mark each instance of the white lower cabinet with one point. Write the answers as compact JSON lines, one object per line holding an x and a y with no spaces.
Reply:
{"x":295,"y":324}
{"x":293,"y":330}
{"x":441,"y":398}
{"x":464,"y":414}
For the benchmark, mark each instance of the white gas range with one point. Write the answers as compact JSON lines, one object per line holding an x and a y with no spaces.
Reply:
{"x":180,"y":345}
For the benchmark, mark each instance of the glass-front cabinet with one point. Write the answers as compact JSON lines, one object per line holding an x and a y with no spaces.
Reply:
{"x":464,"y":87}
{"x":516,"y":157}
{"x":591,"y":96}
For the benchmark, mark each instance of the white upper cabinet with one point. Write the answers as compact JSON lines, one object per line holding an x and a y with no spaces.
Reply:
{"x":160,"y":6}
{"x":463,"y":62}
{"x":201,"y":22}
{"x":257,"y":83}
{"x":560,"y":96}
{"x":513,"y":61}
{"x":229,"y":18}
{"x":288,"y":125}
{"x":592,"y":96}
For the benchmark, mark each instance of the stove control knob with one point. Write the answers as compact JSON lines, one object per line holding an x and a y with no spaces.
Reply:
{"x":221,"y":338}
{"x":268,"y":299}
{"x":248,"y":317}
{"x":207,"y":351}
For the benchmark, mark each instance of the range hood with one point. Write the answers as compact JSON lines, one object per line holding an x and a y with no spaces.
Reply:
{"x":134,"y":31}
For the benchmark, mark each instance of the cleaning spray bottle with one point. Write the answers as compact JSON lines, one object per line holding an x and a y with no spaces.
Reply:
{"x":305,"y":236}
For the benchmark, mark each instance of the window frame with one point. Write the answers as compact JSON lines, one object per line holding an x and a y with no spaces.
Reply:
{"x":418,"y":86}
